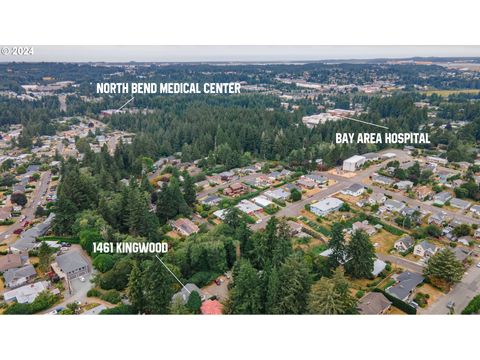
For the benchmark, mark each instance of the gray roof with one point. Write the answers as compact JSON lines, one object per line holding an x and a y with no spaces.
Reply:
{"x":373,"y":303}
{"x":407,"y":282}
{"x":355,"y":187}
{"x":27,"y":240}
{"x":443,"y":196}
{"x":17,"y":273}
{"x":407,"y":240}
{"x":184,"y":293}
{"x":71,"y":261}
{"x":462,"y":204}
{"x":428,"y":246}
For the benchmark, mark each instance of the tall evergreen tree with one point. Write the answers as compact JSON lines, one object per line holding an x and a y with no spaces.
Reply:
{"x":295,"y":279}
{"x":159,"y":286}
{"x":360,"y":256}
{"x":331,"y":296}
{"x":444,"y":266}
{"x":189,"y":192}
{"x":337,"y":245}
{"x":135,"y":289}
{"x":246,"y":296}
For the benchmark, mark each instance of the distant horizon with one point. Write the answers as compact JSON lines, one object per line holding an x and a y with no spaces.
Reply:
{"x":237,"y":54}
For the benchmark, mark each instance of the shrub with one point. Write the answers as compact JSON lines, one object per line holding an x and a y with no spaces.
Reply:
{"x":360,"y":294}
{"x":119,"y":310}
{"x":112,"y":296}
{"x":94,"y":293}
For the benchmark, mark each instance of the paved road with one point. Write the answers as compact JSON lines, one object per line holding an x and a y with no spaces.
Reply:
{"x":404,"y":263}
{"x":460,"y":294}
{"x":29,"y":210}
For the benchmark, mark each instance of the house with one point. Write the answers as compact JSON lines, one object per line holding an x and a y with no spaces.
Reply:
{"x":460,"y":204}
{"x":27,"y":293}
{"x":235,"y":189}
{"x":377,"y":198}
{"x":185,"y":292}
{"x":437,"y":160}
{"x":424,"y":193}
{"x":326,"y":206}
{"x":185,"y":226}
{"x":318,"y":179}
{"x":28,"y":238}
{"x":403,"y":185}
{"x":404,"y":243}
{"x":354,"y":190}
{"x":306,"y":184}
{"x":71,"y":265}
{"x":19,"y":276}
{"x":295,"y":227}
{"x":441,"y":198}
{"x":262,"y":201}
{"x":284,"y":174}
{"x":425,"y":249}
{"x":277,"y":194}
{"x":461,"y":254}
{"x":227,"y":175}
{"x":211,"y":307}
{"x":364,"y":226}
{"x":5,"y":213}
{"x":475,"y":209}
{"x":406,"y":282}
{"x":465,"y":240}
{"x":273,"y":176}
{"x":10,"y":261}
{"x":248,"y":207}
{"x":374,"y":303}
{"x":220,"y":214}
{"x":394,"y":205}
{"x":353,"y":163}
{"x":211,"y":200}
{"x":383,"y":180}
{"x":371,"y":156}
{"x":439,"y":218}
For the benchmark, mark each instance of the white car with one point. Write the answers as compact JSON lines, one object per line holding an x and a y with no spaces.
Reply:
{"x":478,"y":265}
{"x":82,"y":279}
{"x":53,"y":312}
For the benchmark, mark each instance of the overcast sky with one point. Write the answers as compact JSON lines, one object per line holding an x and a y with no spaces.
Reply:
{"x":234,"y":53}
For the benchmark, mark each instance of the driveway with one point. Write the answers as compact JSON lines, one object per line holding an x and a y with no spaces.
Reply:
{"x":220,"y":291}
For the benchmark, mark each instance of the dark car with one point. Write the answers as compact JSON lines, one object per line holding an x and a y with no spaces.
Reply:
{"x":18,"y":231}
{"x":218,"y":282}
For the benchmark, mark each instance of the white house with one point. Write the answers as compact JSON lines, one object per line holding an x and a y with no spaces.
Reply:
{"x":326,"y":206}
{"x":425,"y":249}
{"x":354,"y":190}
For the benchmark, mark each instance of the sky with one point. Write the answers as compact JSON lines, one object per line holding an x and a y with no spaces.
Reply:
{"x":140,"y":53}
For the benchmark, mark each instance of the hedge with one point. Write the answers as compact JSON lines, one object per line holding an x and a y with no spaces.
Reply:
{"x":402,"y":305}
{"x":119,"y":310}
{"x":65,"y":239}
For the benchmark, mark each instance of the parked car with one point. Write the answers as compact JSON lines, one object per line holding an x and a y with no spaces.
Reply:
{"x":18,"y":231}
{"x":218,"y":282}
{"x":450,"y":305}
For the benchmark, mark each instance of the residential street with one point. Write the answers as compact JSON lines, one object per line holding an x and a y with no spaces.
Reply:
{"x":29,"y":210}
{"x":461,"y":293}
{"x":404,"y":263}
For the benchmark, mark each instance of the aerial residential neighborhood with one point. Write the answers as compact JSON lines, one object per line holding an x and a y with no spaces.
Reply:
{"x":239,"y":196}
